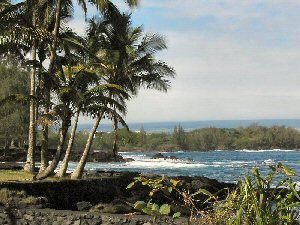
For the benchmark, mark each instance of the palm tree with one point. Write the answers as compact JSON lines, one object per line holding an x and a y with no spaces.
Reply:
{"x":126,"y":58}
{"x":20,"y":28}
{"x":129,"y":55}
{"x":83,"y":81}
{"x":102,"y":105}
{"x":102,"y":5}
{"x":66,"y":95}
{"x":65,"y":87}
{"x":22,"y":25}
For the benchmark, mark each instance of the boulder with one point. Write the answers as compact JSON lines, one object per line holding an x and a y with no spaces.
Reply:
{"x":128,"y":160}
{"x":173,"y":157}
{"x":114,"y":208}
{"x":158,"y":156}
{"x":83,"y":206}
{"x":161,"y":156}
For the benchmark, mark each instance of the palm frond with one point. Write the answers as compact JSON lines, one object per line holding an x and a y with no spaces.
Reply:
{"x":152,"y":43}
{"x":109,"y":88}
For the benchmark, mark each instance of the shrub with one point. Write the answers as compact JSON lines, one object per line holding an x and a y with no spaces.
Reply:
{"x":257,"y":199}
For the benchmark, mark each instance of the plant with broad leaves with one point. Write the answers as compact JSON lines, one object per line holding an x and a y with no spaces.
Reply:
{"x":155,"y":210}
{"x":166,"y":186}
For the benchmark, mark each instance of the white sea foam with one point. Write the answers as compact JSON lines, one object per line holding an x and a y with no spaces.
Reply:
{"x":233,"y":162}
{"x":269,"y":162}
{"x":271,"y":150}
{"x":297,"y":185}
{"x":164,"y":164}
{"x":220,"y":166}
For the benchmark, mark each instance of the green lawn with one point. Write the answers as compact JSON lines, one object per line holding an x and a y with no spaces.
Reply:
{"x":15,"y":175}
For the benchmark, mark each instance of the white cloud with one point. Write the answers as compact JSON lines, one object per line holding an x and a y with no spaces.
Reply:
{"x":241,"y":64}
{"x":220,"y":78}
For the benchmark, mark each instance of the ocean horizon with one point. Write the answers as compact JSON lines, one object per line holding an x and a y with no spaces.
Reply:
{"x":153,"y":127}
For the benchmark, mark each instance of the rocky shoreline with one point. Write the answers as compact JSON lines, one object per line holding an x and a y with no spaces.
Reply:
{"x":100,"y":194}
{"x":66,"y":217}
{"x":99,"y":198}
{"x":19,"y":155}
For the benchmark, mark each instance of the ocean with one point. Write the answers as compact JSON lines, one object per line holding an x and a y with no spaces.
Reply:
{"x":226,"y":166}
{"x":191,"y":125}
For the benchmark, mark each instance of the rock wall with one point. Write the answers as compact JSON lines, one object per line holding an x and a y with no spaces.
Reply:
{"x":59,"y":217}
{"x":104,"y":188}
{"x":64,"y":194}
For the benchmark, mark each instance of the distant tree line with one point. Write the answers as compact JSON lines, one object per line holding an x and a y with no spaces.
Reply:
{"x":252,"y":137}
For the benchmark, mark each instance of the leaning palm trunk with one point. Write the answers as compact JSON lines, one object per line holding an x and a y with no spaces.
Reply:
{"x":115,"y":146}
{"x":30,"y":161}
{"x":64,"y":166}
{"x":78,"y":172}
{"x":50,"y":169}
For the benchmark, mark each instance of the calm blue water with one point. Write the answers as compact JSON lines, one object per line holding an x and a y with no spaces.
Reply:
{"x":190,"y":125}
{"x":227,"y":166}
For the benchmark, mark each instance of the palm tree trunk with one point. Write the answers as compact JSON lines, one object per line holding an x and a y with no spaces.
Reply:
{"x":44,"y":144}
{"x":64,"y":166}
{"x":55,"y":34}
{"x":30,"y":161}
{"x":45,"y":138}
{"x":50,"y":169}
{"x":44,"y":149}
{"x":77,"y":174}
{"x":115,"y":146}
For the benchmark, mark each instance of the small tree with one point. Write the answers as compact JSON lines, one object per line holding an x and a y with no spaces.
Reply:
{"x":180,"y":137}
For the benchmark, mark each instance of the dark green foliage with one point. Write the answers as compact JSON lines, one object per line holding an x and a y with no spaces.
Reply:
{"x":252,"y":137}
{"x":14,"y":118}
{"x":213,"y":138}
{"x":180,"y":138}
{"x":261,"y":200}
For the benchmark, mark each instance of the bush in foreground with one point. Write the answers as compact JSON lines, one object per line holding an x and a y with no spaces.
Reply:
{"x":257,"y":199}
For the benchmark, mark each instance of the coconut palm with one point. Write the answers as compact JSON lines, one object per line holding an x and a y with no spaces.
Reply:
{"x":100,"y":107}
{"x":20,"y":28}
{"x":77,"y":91}
{"x":102,"y":5}
{"x":126,"y":58}
{"x":129,"y":58}
{"x":84,"y":79}
{"x":65,"y":87}
{"x":26,"y":22}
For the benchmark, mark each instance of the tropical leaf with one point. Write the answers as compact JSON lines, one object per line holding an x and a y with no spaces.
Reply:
{"x":176,"y":215}
{"x":140,"y":205}
{"x":165,"y":209}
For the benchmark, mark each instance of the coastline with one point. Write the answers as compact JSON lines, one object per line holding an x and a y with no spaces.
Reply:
{"x":78,"y":197}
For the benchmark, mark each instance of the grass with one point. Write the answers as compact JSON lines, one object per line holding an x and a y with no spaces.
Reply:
{"x":21,"y":175}
{"x":15,"y":175}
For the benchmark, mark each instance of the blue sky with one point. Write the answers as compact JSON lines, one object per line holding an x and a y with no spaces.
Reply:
{"x":235,"y":59}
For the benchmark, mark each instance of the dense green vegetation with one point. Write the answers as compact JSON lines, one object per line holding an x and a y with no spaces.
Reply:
{"x":256,"y":199}
{"x":93,"y":74}
{"x":205,"y":139}
{"x":251,"y":137}
{"x":14,"y":117}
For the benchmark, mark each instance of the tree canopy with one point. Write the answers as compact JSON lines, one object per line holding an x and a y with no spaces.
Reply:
{"x":14,"y":118}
